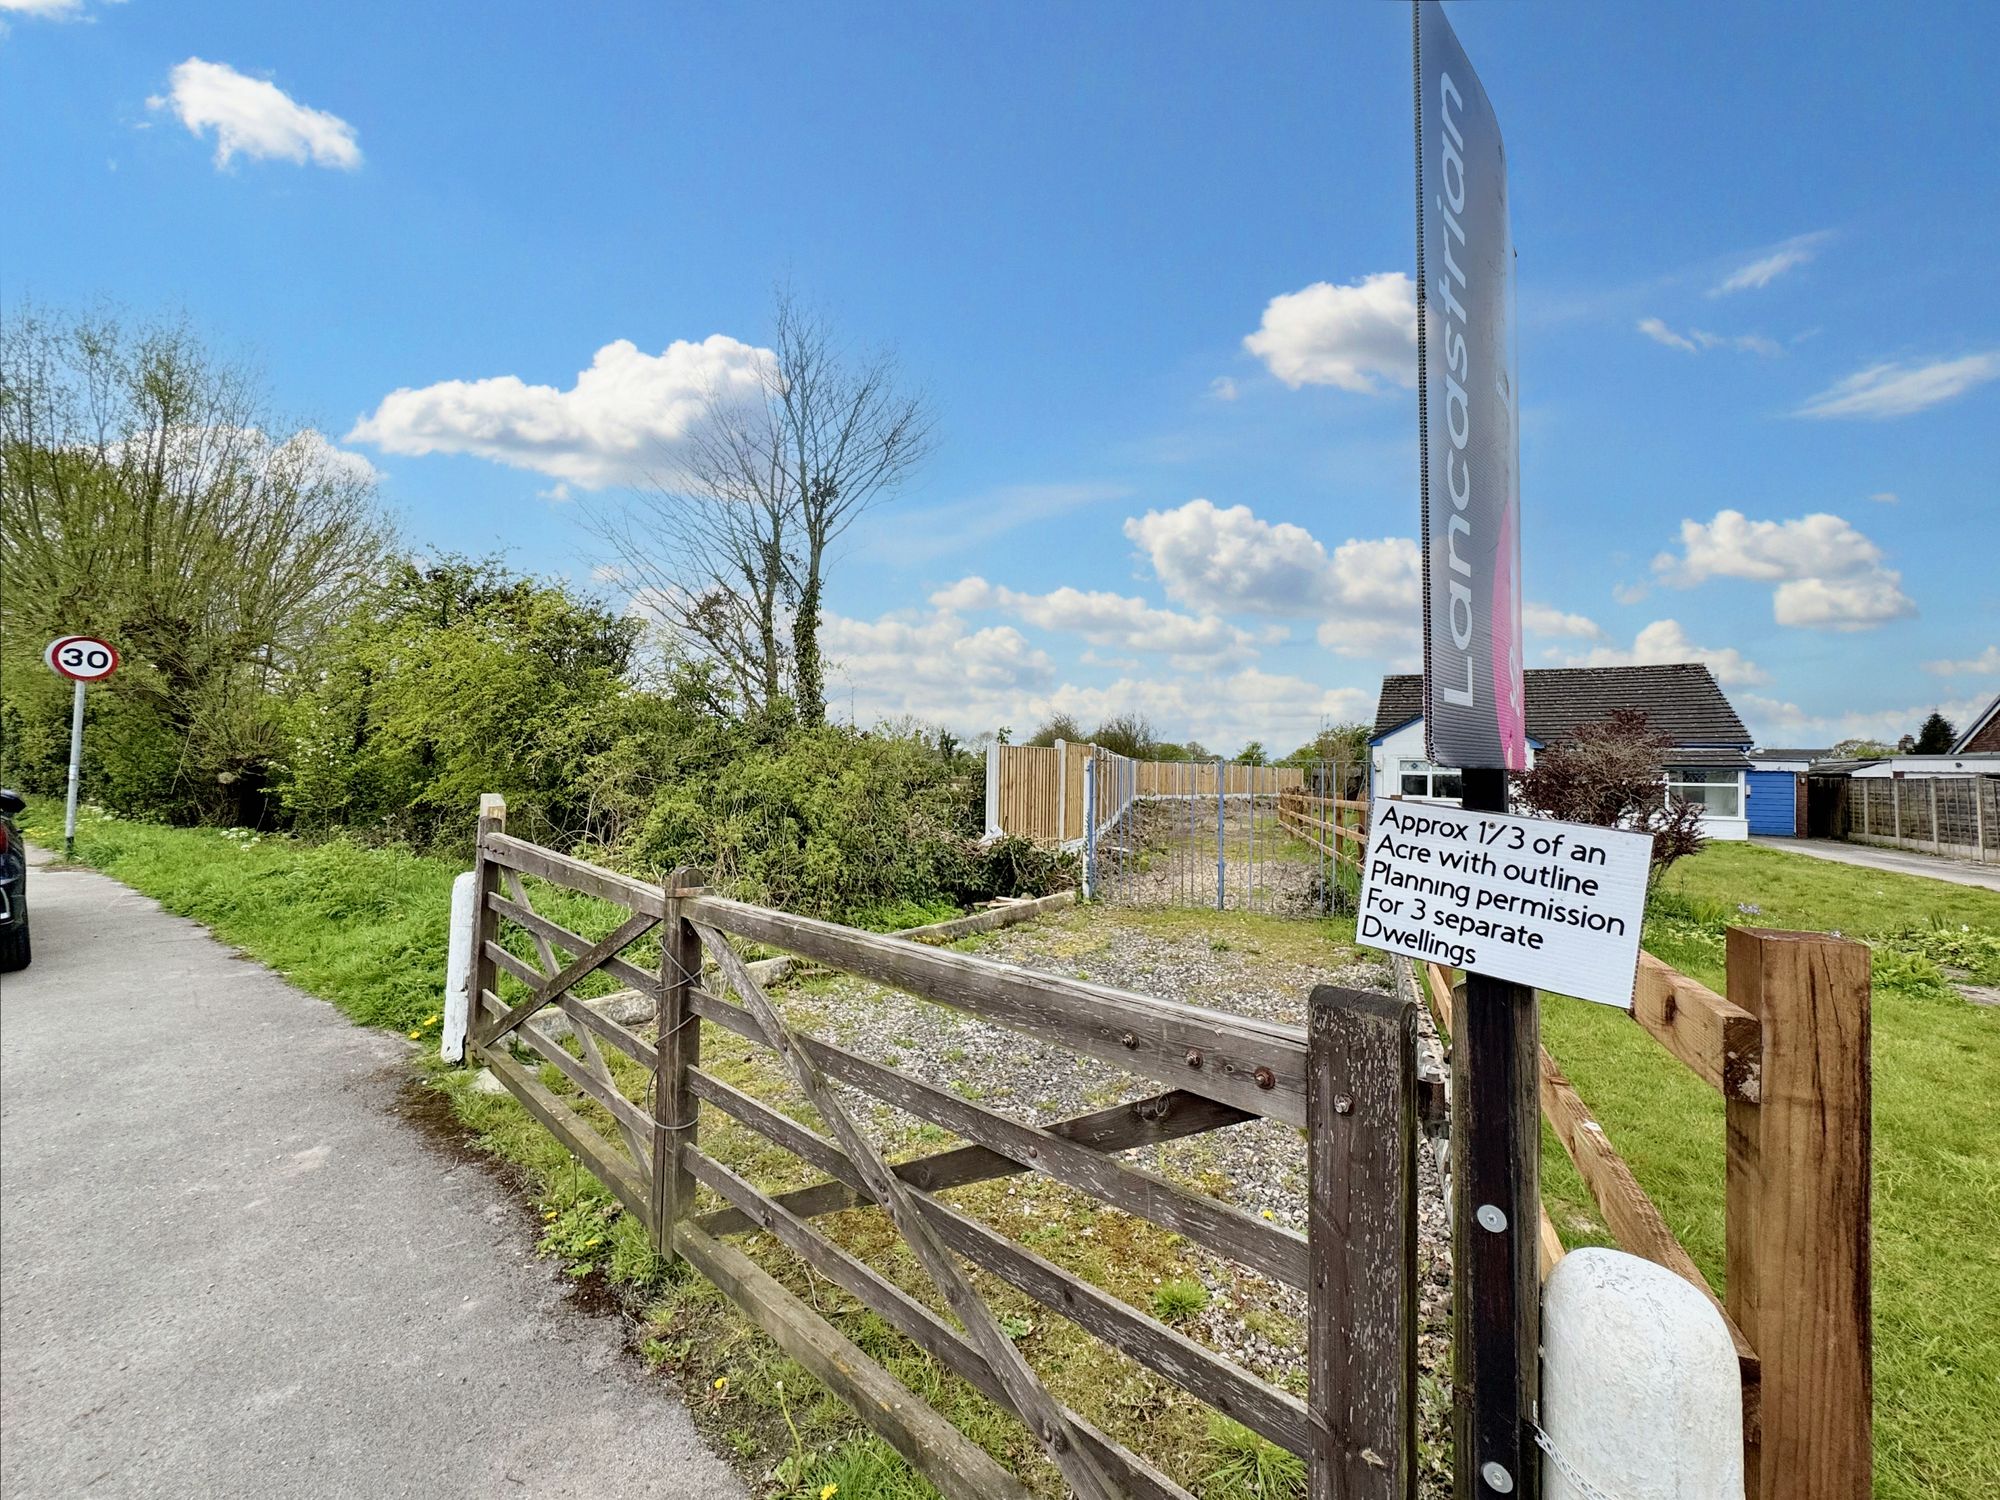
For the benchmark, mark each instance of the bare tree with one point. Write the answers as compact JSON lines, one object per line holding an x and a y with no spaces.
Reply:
{"x":732,"y":550}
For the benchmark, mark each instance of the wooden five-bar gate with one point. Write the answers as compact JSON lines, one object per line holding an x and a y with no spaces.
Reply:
{"x":1346,"y":1079}
{"x":1787,"y":1050}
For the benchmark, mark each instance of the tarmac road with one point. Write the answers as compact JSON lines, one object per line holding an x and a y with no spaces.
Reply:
{"x":229,"y":1266}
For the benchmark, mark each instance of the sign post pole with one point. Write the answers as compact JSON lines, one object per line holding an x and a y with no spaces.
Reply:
{"x":1475,"y":723}
{"x":1496,"y":1200}
{"x":82,"y":659}
{"x":75,"y":770}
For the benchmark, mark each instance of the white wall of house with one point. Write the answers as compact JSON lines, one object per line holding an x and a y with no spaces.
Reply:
{"x":1396,"y":763}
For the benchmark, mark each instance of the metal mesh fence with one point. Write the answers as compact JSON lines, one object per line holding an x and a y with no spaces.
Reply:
{"x":1227,"y":836}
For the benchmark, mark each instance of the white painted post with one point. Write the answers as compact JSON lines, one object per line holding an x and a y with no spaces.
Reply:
{"x":458,"y":967}
{"x":1062,"y":791}
{"x":993,"y":828}
{"x":1641,"y":1398}
{"x":1089,"y":827}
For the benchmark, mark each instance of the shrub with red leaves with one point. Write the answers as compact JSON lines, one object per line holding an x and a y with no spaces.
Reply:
{"x":1612,"y":774}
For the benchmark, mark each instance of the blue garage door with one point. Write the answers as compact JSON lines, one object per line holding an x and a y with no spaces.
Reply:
{"x":1772,"y":804}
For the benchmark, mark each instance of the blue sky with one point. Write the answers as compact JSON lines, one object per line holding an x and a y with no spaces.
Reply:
{"x":1150,"y":263}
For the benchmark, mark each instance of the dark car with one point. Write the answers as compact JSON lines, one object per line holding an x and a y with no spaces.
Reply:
{"x":14,"y":953}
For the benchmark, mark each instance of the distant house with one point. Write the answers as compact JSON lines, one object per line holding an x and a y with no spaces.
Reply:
{"x":1708,"y":764}
{"x":1775,"y":790}
{"x":1983,"y":734}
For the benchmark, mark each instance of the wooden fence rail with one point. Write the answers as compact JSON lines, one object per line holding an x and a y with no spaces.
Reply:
{"x":1788,"y":1053}
{"x":1347,"y":1078}
{"x":1037,"y":791}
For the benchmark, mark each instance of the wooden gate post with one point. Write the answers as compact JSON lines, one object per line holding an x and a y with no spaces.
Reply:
{"x":1361,"y":1233}
{"x":1798,"y":1214}
{"x":485,"y":923}
{"x":678,"y":1040}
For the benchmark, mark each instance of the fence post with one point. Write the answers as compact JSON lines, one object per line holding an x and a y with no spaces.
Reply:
{"x":1798,"y":1214}
{"x":1361,"y":1229}
{"x":485,"y":924}
{"x":678,"y":1043}
{"x":993,"y":829}
{"x":1937,"y":844}
{"x":1090,"y":828}
{"x":1220,"y":782}
{"x":1062,"y":790}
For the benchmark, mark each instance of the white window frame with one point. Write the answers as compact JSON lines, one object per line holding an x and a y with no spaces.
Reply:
{"x":1706,"y":778}
{"x":1432,"y":774}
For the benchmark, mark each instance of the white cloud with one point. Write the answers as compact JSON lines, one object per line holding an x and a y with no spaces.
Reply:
{"x":1546,"y":620}
{"x":1696,"y":340}
{"x":1664,"y":641}
{"x":1842,"y":603}
{"x":618,"y":424}
{"x":1886,"y":497}
{"x":1985,"y":664}
{"x":204,"y":455}
{"x":1829,"y":575}
{"x":1767,"y":268}
{"x":1629,"y":593}
{"x":46,"y":10}
{"x":1353,"y":336}
{"x":558,"y":492}
{"x":934,"y":667}
{"x":1222,"y":388}
{"x":1366,"y":594}
{"x":1776,"y":720}
{"x":1895,"y":390}
{"x":1114,"y":621}
{"x":256,"y":118}
{"x":1659,"y":333}
{"x":935,"y":656}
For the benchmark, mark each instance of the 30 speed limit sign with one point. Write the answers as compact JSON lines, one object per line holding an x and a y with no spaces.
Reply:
{"x":82,"y":658}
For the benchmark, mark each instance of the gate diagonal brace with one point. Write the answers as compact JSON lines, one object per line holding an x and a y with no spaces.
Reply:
{"x":1039,"y":1410}
{"x":633,"y":928}
{"x":593,"y":1058}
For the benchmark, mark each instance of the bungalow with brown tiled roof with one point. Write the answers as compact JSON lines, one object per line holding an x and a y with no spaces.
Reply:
{"x":1707,"y":764}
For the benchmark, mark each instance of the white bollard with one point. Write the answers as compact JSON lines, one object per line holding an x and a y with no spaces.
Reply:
{"x":1641,"y":1396}
{"x":458,"y":967}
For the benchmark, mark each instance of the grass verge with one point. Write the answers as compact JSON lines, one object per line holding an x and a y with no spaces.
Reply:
{"x":1937,"y":1171}
{"x":364,"y":927}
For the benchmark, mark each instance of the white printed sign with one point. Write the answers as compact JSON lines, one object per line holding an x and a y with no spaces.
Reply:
{"x":1554,"y":905}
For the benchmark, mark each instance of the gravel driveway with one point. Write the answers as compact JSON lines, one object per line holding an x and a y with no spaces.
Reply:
{"x":1252,"y":965}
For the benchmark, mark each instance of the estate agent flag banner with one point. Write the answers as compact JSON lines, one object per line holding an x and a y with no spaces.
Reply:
{"x":1467,"y":425}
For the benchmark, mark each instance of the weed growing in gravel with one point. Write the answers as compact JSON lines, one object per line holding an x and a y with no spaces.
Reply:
{"x":1246,"y":1467}
{"x":1179,"y":1300}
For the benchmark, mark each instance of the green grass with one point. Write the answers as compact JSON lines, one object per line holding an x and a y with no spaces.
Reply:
{"x":365,"y":927}
{"x":1937,"y":1164}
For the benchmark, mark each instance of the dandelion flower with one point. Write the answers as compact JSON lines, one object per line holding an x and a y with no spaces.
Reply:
{"x":415,"y":1035}
{"x":828,"y":1491}
{"x":722,"y":1382}
{"x":1269,"y":1215}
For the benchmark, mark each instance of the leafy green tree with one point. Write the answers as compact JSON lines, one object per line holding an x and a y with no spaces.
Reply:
{"x":1130,"y":735}
{"x":1937,"y":735}
{"x":1057,"y":727}
{"x":1252,"y":754}
{"x":461,"y":678}
{"x":146,"y":496}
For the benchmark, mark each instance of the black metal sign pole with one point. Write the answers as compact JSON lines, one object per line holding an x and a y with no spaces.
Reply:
{"x":1496,"y":1200}
{"x":1469,"y":465}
